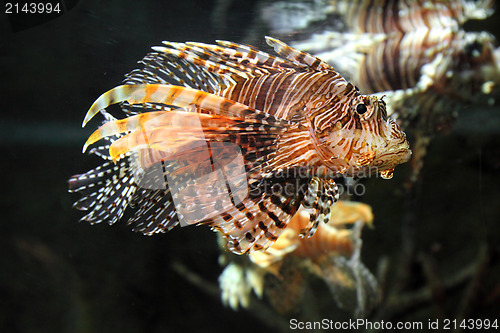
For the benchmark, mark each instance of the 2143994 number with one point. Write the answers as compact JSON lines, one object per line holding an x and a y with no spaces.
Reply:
{"x":32,"y":8}
{"x":472,"y":324}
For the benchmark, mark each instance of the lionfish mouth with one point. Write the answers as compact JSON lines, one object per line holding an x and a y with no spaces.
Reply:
{"x":397,"y":154}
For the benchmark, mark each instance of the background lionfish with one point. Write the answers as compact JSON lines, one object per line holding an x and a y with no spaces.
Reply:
{"x":415,"y":53}
{"x":281,"y":272}
{"x":232,"y":137}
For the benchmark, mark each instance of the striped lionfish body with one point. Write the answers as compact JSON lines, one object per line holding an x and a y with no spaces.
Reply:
{"x":232,"y":137}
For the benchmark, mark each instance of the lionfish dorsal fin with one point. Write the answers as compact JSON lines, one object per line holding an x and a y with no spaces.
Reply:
{"x":299,"y":58}
{"x":257,"y":221}
{"x":253,"y":57}
{"x":200,"y":58}
{"x":240,"y":59}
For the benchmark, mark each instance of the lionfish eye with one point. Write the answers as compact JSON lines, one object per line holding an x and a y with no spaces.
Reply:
{"x":361,"y":108}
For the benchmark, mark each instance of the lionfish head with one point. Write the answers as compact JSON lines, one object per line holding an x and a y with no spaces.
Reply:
{"x":385,"y":139}
{"x":364,"y":140}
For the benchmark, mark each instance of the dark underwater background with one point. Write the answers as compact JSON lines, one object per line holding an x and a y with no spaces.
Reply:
{"x":61,"y":275}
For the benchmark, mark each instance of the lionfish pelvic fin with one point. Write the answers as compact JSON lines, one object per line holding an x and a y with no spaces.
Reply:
{"x":322,"y":193}
{"x":256,"y":223}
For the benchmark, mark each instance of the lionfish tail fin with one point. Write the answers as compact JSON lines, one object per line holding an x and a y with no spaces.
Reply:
{"x":113,"y":96}
{"x":175,"y":96}
{"x":241,"y":60}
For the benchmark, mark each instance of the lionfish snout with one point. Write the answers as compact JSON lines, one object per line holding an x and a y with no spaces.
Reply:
{"x":398,"y":148}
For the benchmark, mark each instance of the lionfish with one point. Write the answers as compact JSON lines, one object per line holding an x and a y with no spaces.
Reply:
{"x":232,"y":137}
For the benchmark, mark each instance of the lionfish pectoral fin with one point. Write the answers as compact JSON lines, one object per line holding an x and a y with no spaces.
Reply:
{"x":256,"y":223}
{"x":146,"y":123}
{"x":193,"y":101}
{"x":321,"y":194}
{"x":129,"y":124}
{"x":168,"y":140}
{"x":174,"y":132}
{"x":299,"y":58}
{"x":105,"y":191}
{"x":205,"y":170}
{"x":178,"y":96}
